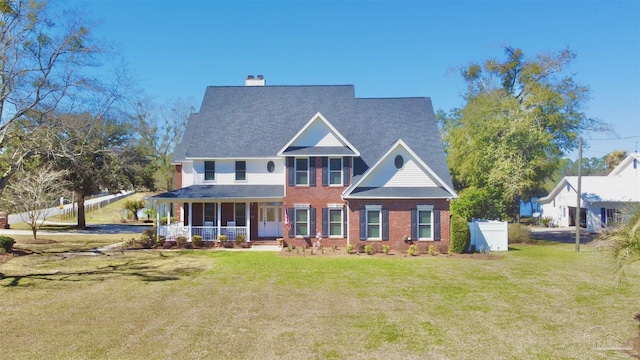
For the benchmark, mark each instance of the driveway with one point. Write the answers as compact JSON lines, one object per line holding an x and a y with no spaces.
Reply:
{"x":94,"y":229}
{"x":563,"y":235}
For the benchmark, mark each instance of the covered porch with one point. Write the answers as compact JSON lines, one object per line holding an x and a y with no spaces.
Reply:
{"x":249,"y":211}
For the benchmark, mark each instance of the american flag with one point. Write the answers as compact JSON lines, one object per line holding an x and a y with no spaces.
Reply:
{"x":286,"y":220}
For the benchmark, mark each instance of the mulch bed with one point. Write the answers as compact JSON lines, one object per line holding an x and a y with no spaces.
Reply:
{"x":23,"y":252}
{"x":392,"y":254}
{"x":15,"y":253}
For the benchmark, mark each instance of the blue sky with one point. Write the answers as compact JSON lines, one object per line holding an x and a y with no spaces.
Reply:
{"x":384,"y":48}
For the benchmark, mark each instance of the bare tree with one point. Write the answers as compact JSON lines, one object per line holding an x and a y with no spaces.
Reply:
{"x":34,"y":195}
{"x":161,"y":128}
{"x":44,"y":50}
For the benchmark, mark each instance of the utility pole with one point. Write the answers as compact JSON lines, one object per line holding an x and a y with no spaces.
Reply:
{"x":579,"y":197}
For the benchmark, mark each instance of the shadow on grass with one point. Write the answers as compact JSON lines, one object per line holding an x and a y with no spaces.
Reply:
{"x":55,"y":228}
{"x":120,"y":228}
{"x":136,"y":269}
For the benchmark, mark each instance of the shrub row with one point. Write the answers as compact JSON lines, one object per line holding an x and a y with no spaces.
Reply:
{"x":371,"y":248}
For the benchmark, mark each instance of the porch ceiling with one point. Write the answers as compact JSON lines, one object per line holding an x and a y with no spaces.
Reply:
{"x":222,"y":192}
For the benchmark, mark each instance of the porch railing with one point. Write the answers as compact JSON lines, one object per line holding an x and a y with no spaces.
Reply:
{"x":208,"y":233}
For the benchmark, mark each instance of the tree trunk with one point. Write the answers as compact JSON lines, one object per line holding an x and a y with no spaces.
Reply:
{"x":34,"y":230}
{"x":516,"y":210}
{"x":82,"y":221}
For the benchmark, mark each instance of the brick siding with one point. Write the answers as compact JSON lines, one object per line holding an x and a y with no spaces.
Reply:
{"x":399,"y":220}
{"x":399,"y":214}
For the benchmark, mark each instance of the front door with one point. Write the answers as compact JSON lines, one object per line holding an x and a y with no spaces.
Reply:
{"x":270,"y":220}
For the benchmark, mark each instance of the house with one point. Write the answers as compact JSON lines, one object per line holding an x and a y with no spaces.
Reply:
{"x":602,"y":197}
{"x":304,"y":163}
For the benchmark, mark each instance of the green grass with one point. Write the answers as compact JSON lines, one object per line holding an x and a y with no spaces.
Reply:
{"x":110,"y":214}
{"x":536,"y":302}
{"x":68,"y":243}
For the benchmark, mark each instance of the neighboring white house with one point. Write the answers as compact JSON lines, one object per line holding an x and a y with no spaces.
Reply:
{"x":603,"y":197}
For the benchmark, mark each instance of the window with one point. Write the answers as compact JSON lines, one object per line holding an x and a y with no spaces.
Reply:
{"x":209,"y":170}
{"x":399,"y":162}
{"x":335,"y":171}
{"x":241,"y":214}
{"x":374,"y":224}
{"x":302,"y":222}
{"x":614,"y":217}
{"x":302,"y":171}
{"x":271,"y":166}
{"x":335,"y":222}
{"x":209,"y":213}
{"x":241,"y":170}
{"x":424,"y":224}
{"x":302,"y":219}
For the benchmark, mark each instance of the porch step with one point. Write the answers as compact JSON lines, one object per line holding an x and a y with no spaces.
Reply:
{"x":263,"y":242}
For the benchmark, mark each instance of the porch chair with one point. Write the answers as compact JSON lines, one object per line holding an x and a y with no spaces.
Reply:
{"x":231,"y":233}
{"x":207,"y":232}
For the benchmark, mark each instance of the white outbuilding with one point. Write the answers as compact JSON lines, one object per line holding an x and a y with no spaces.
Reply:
{"x":602,"y":197}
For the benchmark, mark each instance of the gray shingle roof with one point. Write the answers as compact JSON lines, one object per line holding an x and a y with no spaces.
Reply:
{"x":223,"y":192}
{"x":400,"y":193}
{"x":318,"y":151}
{"x":257,"y":121}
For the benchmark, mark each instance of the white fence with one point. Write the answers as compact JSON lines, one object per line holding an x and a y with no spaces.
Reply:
{"x":489,"y":235}
{"x":70,"y":210}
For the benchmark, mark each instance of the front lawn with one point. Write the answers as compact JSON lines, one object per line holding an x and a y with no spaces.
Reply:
{"x":68,"y":242}
{"x":536,"y":302}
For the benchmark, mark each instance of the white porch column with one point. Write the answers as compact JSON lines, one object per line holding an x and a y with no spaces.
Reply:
{"x":219,"y":217}
{"x":155,"y":207}
{"x":190,"y":217}
{"x":247,"y":215}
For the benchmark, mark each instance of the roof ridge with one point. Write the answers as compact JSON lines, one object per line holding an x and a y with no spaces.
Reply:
{"x":393,"y":98}
{"x":273,"y":86}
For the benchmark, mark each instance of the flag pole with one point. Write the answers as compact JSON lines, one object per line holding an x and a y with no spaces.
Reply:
{"x":579,"y":194}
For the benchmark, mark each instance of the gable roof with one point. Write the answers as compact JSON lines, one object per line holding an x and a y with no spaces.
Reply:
{"x":631,"y":160}
{"x":257,"y":121}
{"x":305,"y":142}
{"x":599,"y":189}
{"x":414,"y":179}
{"x":622,"y":184}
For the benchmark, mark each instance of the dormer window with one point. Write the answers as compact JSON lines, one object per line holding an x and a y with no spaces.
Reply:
{"x":241,"y":170}
{"x":209,"y":170}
